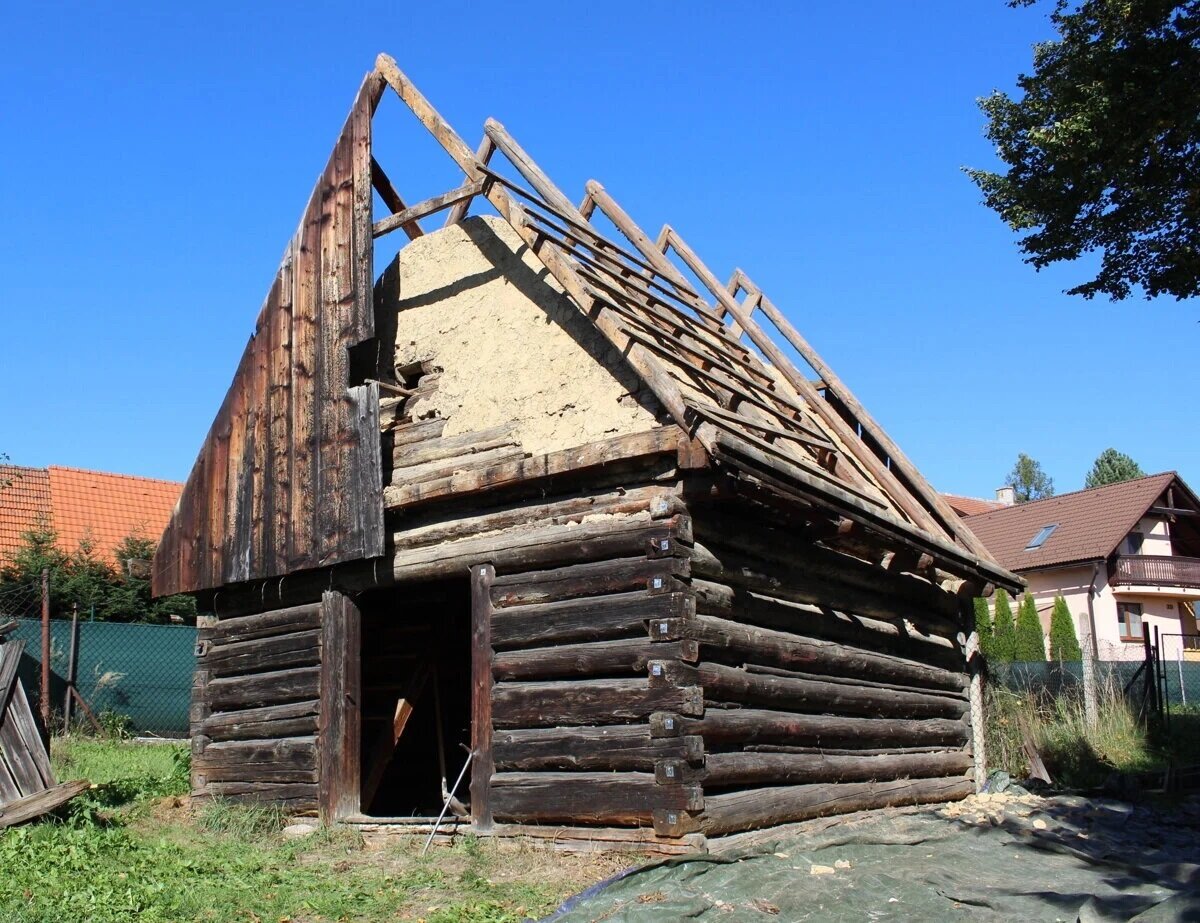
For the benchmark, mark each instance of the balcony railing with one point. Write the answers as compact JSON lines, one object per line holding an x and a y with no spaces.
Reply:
{"x":1157,"y":570}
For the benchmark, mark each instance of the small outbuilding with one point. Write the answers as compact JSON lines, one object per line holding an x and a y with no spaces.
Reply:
{"x":547,"y":508}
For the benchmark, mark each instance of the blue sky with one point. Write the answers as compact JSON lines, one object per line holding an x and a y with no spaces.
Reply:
{"x":157,"y":158}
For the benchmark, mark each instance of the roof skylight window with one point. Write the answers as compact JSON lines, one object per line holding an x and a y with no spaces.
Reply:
{"x":1040,"y":539}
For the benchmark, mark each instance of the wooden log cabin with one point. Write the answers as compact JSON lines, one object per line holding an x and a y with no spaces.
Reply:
{"x":546,"y":506}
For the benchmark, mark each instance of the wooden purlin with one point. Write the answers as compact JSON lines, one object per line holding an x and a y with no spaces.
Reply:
{"x":896,"y":459}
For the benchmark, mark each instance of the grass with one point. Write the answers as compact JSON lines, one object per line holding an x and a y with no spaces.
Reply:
{"x":136,"y":849}
{"x":1076,"y":755}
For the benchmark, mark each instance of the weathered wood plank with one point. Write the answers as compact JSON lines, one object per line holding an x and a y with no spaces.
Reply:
{"x":588,"y":702}
{"x":608,"y":748}
{"x":764,"y":807}
{"x":34,"y":806}
{"x":741,"y":726}
{"x":601,"y":658}
{"x":587,"y":798}
{"x":263,"y":625}
{"x":295,"y":719}
{"x":593,"y":578}
{"x":298,"y":649}
{"x":723,"y":770}
{"x":482,"y":699}
{"x":293,"y":685}
{"x":593,"y":618}
{"x":340,"y":682}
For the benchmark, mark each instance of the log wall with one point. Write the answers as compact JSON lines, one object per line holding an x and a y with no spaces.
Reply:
{"x":831,"y":684}
{"x":256,"y":708}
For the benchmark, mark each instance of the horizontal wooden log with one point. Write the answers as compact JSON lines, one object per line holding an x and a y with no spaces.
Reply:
{"x":253,"y":772}
{"x":787,"y":693}
{"x":528,"y":549}
{"x":724,"y":770}
{"x":602,"y":658}
{"x":956,"y":695}
{"x":661,"y":441}
{"x":289,"y":751}
{"x":594,"y":578}
{"x":817,"y":587}
{"x":765,"y":807}
{"x":441,"y":525}
{"x":296,"y":719}
{"x":592,"y":618}
{"x":741,"y":726}
{"x":586,"y":798}
{"x":277,"y":686}
{"x":611,"y":748}
{"x":423,"y":432}
{"x":406,"y":454}
{"x":262,"y":625}
{"x":896,"y":636}
{"x":298,"y":649}
{"x":813,"y":655}
{"x":463,"y":463}
{"x":587,"y":702}
{"x":293,"y":795}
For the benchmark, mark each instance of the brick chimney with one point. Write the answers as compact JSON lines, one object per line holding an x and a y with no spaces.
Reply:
{"x":1006,"y":495}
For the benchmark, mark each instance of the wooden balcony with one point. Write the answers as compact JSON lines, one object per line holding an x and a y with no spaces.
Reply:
{"x":1156,"y":570}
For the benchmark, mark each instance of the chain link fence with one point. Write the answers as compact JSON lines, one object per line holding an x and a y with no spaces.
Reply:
{"x":127,"y":677}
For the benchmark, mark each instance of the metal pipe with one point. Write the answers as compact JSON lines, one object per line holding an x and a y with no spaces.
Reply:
{"x":446,"y":806}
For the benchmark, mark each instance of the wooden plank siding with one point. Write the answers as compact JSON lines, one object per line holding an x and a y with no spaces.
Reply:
{"x":289,"y":477}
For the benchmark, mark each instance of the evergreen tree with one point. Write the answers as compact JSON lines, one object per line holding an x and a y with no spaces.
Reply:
{"x":1030,"y":643}
{"x":1064,"y":645}
{"x":1004,"y":632}
{"x":1028,"y":480}
{"x":1111,"y":467}
{"x":983,"y":626}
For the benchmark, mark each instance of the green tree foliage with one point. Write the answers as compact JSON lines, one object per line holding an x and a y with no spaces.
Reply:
{"x":81,"y":578}
{"x":1103,"y":146}
{"x":1064,"y":645}
{"x":1113,"y":466}
{"x":1028,"y":480}
{"x":1004,"y":631}
{"x":1030,"y":643}
{"x":983,"y":626}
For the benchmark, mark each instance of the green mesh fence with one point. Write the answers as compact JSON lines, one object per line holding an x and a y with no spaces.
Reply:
{"x":135,"y":676}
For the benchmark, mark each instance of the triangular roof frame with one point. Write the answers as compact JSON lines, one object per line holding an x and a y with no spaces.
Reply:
{"x":756,"y":411}
{"x":285,"y":478}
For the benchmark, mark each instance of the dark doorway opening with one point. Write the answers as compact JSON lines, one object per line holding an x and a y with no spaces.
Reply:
{"x":416,"y":698}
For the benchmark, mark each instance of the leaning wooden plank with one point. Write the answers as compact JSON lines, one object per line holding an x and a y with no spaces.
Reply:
{"x":592,"y":618}
{"x":10,"y":659}
{"x":391,"y":198}
{"x":588,"y":702}
{"x":31,"y":749}
{"x":606,"y":748}
{"x":764,"y":807}
{"x":34,"y":806}
{"x":725,"y":770}
{"x":9,"y":790}
{"x":557,"y":797}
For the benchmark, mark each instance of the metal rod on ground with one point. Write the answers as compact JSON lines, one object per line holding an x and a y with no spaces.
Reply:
{"x":446,"y":806}
{"x":45,"y":696}
{"x":72,"y":654}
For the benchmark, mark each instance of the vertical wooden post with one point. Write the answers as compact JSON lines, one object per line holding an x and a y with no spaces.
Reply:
{"x":72,"y":655}
{"x":45,"y":696}
{"x":482,"y":765}
{"x":339,"y":725}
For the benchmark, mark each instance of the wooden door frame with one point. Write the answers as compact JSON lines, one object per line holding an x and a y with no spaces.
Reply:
{"x":482,"y":764}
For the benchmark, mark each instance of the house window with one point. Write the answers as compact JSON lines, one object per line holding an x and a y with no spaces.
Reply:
{"x":1129,"y":617}
{"x":1133,"y":542}
{"x":1040,"y":539}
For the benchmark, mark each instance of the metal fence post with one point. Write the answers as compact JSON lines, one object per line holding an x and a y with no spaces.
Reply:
{"x":45,"y":696}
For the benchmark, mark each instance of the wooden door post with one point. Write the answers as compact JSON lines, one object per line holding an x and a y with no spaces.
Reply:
{"x":482,"y":576}
{"x":340,"y":723}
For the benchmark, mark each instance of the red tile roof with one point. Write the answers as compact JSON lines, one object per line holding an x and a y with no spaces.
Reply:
{"x":1091,"y":523}
{"x":24,"y":504}
{"x":79,"y":504}
{"x":971,"y":506}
